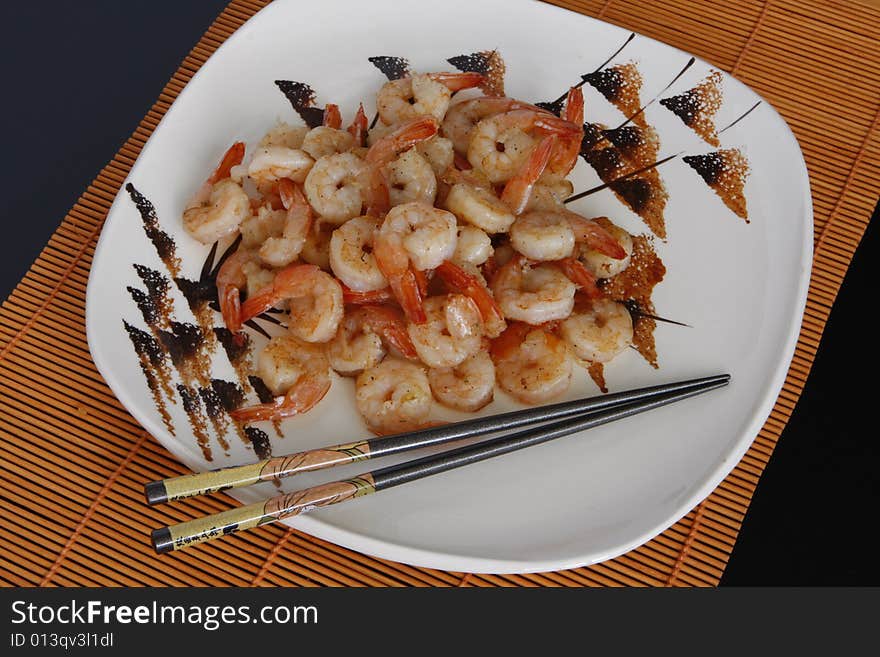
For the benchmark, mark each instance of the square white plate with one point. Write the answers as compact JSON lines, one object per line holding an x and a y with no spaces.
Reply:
{"x":741,"y":287}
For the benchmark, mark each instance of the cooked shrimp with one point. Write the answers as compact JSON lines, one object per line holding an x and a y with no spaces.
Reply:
{"x":549,"y":193}
{"x":316,"y":250}
{"x":473,"y":246}
{"x":322,"y":141}
{"x":531,"y":364}
{"x":359,"y":127}
{"x":315,"y":300}
{"x":360,"y":341}
{"x":231,"y":280}
{"x":600,"y":264}
{"x":542,"y":235}
{"x":473,"y":286}
{"x":394,"y":396}
{"x":438,"y":152}
{"x":410,"y":178}
{"x":296,"y":371}
{"x":502,"y":143}
{"x":479,"y":207}
{"x":374,"y":184}
{"x":425,"y":94}
{"x":533,"y":294}
{"x":452,"y":332}
{"x":220,"y":205}
{"x":333,"y":188}
{"x":413,"y":236}
{"x":566,"y":151}
{"x":351,"y":255}
{"x":270,"y":163}
{"x":462,"y":117}
{"x":266,"y":222}
{"x":284,"y":249}
{"x":598,"y":331}
{"x":332,"y":116}
{"x":284,"y":134}
{"x":468,"y":386}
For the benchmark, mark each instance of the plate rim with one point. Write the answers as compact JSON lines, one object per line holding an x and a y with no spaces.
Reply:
{"x":445,"y":560}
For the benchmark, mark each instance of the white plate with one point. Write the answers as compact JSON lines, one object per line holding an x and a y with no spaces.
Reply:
{"x":742,"y":287}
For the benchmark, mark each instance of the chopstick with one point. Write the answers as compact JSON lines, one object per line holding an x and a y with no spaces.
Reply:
{"x":175,"y":537}
{"x":175,"y":488}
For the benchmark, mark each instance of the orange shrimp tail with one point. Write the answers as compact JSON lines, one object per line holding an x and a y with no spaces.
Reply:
{"x":518,"y":190}
{"x":406,"y":291}
{"x":332,"y":117}
{"x":233,"y":157}
{"x":578,"y":274}
{"x":470,"y":286}
{"x":359,"y":127}
{"x":391,"y":325}
{"x":353,"y":297}
{"x":284,"y":286}
{"x":574,"y":106}
{"x":407,"y":135}
{"x":459,"y":81}
{"x":230,"y":308}
{"x":596,"y":237}
{"x":301,"y":398}
{"x":506,"y":344}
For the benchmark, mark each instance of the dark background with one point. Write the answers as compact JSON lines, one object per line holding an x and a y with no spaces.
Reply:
{"x":77,"y":78}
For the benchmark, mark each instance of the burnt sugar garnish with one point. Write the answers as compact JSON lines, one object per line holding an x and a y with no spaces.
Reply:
{"x":192,"y":405}
{"x":259,"y":439}
{"x":487,"y":62}
{"x":302,"y":98}
{"x":155,"y":370}
{"x":393,"y":68}
{"x":697,"y":107}
{"x":162,"y":242}
{"x":725,"y":171}
{"x":621,"y":85}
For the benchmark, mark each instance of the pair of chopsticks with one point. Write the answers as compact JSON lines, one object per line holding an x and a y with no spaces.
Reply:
{"x":555,"y":421}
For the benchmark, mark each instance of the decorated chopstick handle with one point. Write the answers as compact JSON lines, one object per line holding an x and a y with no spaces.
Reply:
{"x":179,"y":536}
{"x":202,"y":483}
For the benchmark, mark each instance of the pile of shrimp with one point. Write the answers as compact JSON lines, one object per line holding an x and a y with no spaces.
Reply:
{"x":430,"y":257}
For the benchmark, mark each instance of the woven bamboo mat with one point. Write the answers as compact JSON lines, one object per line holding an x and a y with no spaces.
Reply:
{"x":85,"y":523}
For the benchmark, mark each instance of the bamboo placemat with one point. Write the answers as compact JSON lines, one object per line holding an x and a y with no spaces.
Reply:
{"x":85,"y":523}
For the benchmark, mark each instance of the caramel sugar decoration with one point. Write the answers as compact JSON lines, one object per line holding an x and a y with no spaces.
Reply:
{"x":725,"y":171}
{"x":697,"y":107}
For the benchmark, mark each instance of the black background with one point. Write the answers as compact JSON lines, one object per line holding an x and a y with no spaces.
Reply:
{"x":77,"y":78}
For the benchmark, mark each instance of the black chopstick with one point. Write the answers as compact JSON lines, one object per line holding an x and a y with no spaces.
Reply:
{"x":181,"y":535}
{"x":288,"y":465}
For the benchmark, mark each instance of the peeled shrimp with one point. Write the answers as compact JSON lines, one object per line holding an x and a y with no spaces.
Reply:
{"x":316,"y":250}
{"x":479,"y":207}
{"x":531,"y":364}
{"x":360,"y":342}
{"x":438,"y":152}
{"x":297,"y":372}
{"x":599,"y":331}
{"x":323,"y":141}
{"x":394,"y":396}
{"x":410,"y":178}
{"x":270,"y":163}
{"x":502,"y":143}
{"x":413,"y":236}
{"x":473,"y":246}
{"x":314,"y":297}
{"x":462,"y":117}
{"x":426,"y":94}
{"x":284,"y":249}
{"x":351,"y":255}
{"x":284,"y":135}
{"x":333,"y":189}
{"x":468,"y":386}
{"x":472,"y":285}
{"x":600,"y":264}
{"x":220,"y":205}
{"x":542,"y":235}
{"x":533,"y":294}
{"x":452,"y":332}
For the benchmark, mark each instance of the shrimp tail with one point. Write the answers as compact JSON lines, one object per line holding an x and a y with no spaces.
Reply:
{"x":332,"y":116}
{"x":578,"y":274}
{"x":286,"y":285}
{"x":355,"y":298}
{"x":406,"y":136}
{"x":574,"y":106}
{"x":233,"y":157}
{"x":406,"y":290}
{"x":459,"y":81}
{"x":506,"y":344}
{"x":359,"y":127}
{"x":390,"y":324}
{"x":594,"y":236}
{"x":518,"y":189}
{"x":302,"y":397}
{"x":230,"y":308}
{"x":468,"y":284}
